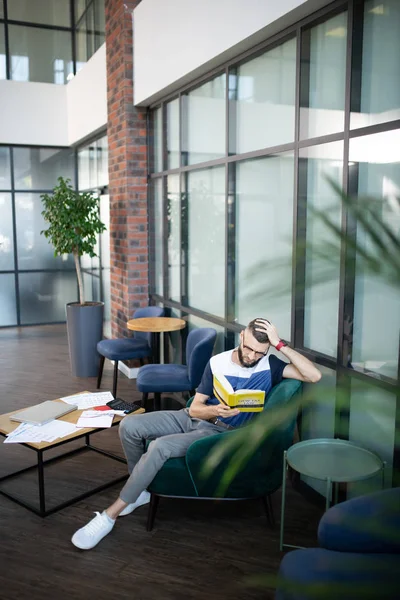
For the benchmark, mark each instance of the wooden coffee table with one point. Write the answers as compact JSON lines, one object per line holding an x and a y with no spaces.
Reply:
{"x":7,"y":426}
{"x":156,"y":325}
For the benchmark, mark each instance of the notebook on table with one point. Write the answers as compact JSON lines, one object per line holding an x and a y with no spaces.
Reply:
{"x":43,"y":413}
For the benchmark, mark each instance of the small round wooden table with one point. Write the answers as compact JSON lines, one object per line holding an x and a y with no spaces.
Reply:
{"x":156,"y":325}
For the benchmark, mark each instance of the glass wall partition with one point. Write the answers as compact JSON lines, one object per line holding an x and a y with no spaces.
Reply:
{"x":92,"y":159}
{"x":263,"y":234}
{"x":41,"y":37}
{"x":34,"y":285}
{"x":375,"y":162}
{"x":251,"y":220}
{"x":318,"y":166}
{"x":262,"y":100}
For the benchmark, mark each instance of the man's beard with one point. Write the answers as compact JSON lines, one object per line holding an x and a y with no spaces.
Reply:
{"x":247,"y":365}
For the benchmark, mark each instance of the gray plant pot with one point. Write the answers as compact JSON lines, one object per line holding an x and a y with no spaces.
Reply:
{"x":85,"y":330}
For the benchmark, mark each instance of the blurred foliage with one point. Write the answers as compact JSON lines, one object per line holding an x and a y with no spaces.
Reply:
{"x":371,"y":238}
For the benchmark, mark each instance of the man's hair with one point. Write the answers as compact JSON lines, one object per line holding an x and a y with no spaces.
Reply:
{"x":260,"y":336}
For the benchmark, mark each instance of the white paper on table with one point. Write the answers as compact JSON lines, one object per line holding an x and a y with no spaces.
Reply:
{"x":83,"y":401}
{"x":21,"y":427}
{"x":49,"y":432}
{"x":94,"y":414}
{"x":98,"y":421}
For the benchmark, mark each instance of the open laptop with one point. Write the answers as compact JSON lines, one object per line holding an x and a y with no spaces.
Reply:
{"x":43,"y":413}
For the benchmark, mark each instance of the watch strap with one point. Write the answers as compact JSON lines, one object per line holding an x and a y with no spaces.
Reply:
{"x":280,"y":345}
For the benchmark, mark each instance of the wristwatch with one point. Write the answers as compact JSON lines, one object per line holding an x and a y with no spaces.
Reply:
{"x":280,"y":345}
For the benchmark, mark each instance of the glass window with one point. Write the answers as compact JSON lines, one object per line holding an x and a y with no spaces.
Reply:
{"x":39,"y":168}
{"x":322,"y":78}
{"x":81,"y":45}
{"x":80,"y":6}
{"x":158,"y":238}
{"x":263,"y":240}
{"x":1,"y":9}
{"x":372,"y":426}
{"x":90,"y":31}
{"x":34,"y":250}
{"x":321,"y":302}
{"x":3,"y":69}
{"x":173,"y":134}
{"x":105,"y":236}
{"x":5,"y":170}
{"x":203,"y":122}
{"x":88,"y":286}
{"x":99,"y":23}
{"x":375,"y":164}
{"x":156,"y":135}
{"x":43,"y":296}
{"x":93,"y":165}
{"x":48,"y":12}
{"x":262,"y":100}
{"x":106,"y":283}
{"x":174,"y":238}
{"x":105,"y":260}
{"x":6,"y":233}
{"x":206,"y":240}
{"x":195,"y":323}
{"x":8,"y":302}
{"x":174,"y":340}
{"x":83,"y":168}
{"x":380,"y":49}
{"x":102,"y":161}
{"x":40,"y":54}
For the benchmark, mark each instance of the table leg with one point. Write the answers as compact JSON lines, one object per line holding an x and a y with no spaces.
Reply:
{"x":336,"y":492}
{"x":328,"y":493}
{"x":155,"y":344}
{"x":383,"y":474}
{"x":283,"y":500}
{"x":42,"y":499}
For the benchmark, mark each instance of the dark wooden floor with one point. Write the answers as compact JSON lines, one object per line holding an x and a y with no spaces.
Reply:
{"x":197,"y":549}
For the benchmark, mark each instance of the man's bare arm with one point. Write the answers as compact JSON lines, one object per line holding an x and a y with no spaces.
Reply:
{"x":301,"y":368}
{"x":199,"y":410}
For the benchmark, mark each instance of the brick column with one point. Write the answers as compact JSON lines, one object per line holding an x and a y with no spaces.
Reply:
{"x":127,"y":171}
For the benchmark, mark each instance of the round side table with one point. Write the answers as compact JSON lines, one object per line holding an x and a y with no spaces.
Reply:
{"x":332,"y":460}
{"x":156,"y":325}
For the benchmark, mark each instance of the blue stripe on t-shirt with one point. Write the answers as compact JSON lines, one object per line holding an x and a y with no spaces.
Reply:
{"x":266,"y":374}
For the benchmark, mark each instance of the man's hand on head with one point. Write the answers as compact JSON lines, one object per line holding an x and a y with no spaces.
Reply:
{"x":271,"y":331}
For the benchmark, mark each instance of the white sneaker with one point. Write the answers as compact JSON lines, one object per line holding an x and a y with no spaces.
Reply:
{"x":89,"y":536}
{"x":144,"y":498}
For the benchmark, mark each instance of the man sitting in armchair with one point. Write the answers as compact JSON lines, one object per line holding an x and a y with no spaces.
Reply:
{"x":249,"y":366}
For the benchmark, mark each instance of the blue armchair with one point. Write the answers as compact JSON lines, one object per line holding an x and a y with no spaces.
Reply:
{"x":358,"y":557}
{"x":138,"y":347}
{"x":156,"y":379}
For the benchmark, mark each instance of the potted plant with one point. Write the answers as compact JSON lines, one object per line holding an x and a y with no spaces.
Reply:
{"x":74,"y":224}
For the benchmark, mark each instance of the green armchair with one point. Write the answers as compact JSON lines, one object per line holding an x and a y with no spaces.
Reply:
{"x":259,"y":478}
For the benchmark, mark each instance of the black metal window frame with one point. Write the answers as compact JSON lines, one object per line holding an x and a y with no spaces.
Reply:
{"x":81,"y":21}
{"x":95,"y":273}
{"x":345,"y":373}
{"x":13,"y":191}
{"x":72,"y":28}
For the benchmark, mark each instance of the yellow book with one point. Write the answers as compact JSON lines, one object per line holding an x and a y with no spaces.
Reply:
{"x":244,"y":400}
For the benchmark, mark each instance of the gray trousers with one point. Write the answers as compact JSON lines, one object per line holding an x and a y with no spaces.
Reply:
{"x":172,"y":432}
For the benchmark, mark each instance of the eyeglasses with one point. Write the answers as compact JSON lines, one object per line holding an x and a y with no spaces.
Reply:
{"x":252,"y":350}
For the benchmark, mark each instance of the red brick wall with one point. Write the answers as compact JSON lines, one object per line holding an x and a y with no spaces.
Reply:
{"x":127,"y":171}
